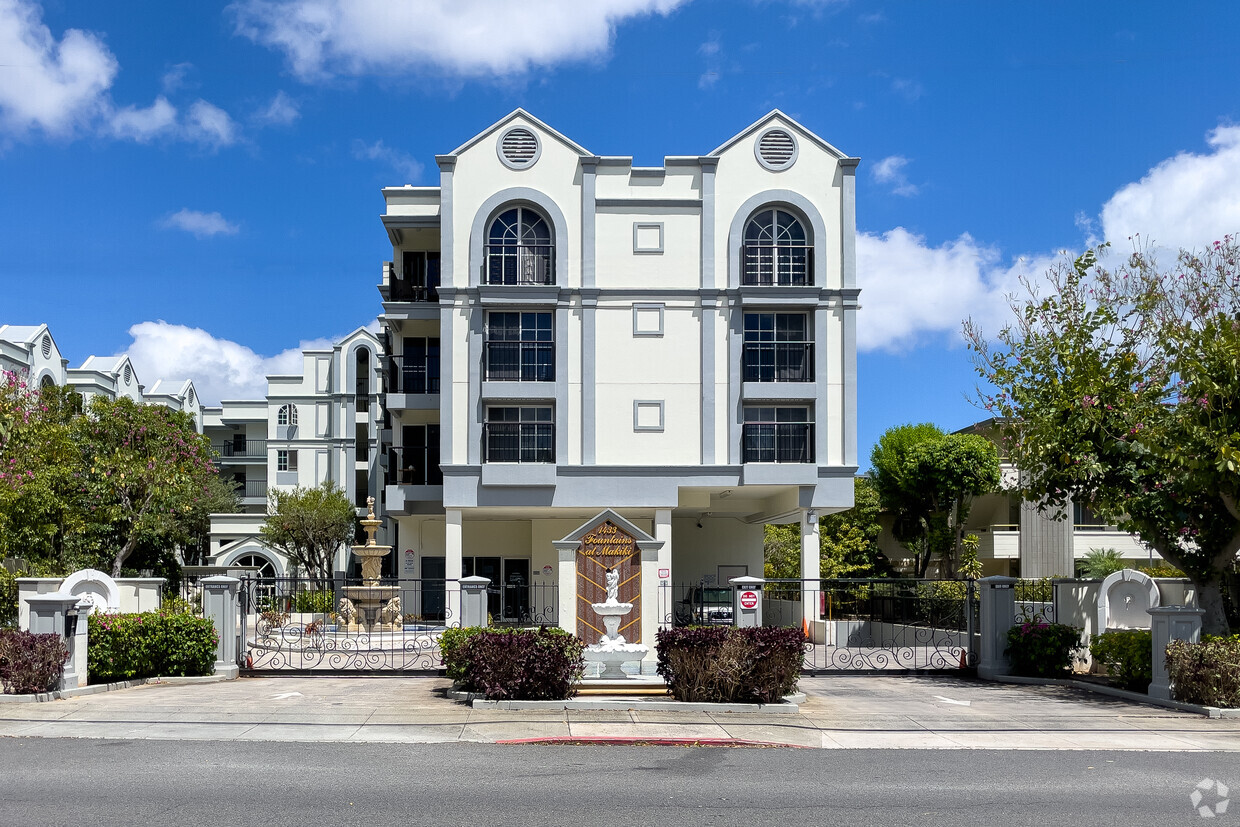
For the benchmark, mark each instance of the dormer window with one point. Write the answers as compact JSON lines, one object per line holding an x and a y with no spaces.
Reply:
{"x":287,"y":415}
{"x":777,"y":251}
{"x":519,"y":249}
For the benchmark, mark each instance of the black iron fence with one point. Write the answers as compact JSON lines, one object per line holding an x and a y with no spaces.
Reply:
{"x":241,"y":448}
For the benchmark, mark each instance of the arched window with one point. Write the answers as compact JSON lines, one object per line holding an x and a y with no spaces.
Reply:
{"x":266,"y":569}
{"x":776,"y":250}
{"x":519,"y":248}
{"x":287,"y":415}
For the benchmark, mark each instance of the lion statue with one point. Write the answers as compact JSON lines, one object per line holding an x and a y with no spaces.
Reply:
{"x":391,"y":614}
{"x":348,"y":612}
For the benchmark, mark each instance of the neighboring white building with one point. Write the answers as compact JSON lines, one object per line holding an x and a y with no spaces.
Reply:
{"x":32,"y":349}
{"x":571,"y":333}
{"x":318,"y":425}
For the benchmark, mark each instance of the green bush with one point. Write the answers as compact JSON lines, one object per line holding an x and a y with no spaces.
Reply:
{"x":1206,"y":673}
{"x":1161,"y":570}
{"x":720,"y":664}
{"x":31,"y":662}
{"x":151,"y":644}
{"x":1034,"y":591}
{"x":8,"y":597}
{"x":452,"y":652}
{"x":314,"y":601}
{"x":177,"y":605}
{"x":1043,"y":650}
{"x":1127,"y":655}
{"x":542,"y":664}
{"x":1098,"y":563}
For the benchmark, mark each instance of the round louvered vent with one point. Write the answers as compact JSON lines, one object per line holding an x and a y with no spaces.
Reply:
{"x":47,"y":346}
{"x":128,"y":374}
{"x":519,"y":148}
{"x":776,"y":149}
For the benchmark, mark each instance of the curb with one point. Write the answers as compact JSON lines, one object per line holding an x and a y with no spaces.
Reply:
{"x":637,"y":740}
{"x":63,"y":694}
{"x":1124,"y":694}
{"x":791,"y":704}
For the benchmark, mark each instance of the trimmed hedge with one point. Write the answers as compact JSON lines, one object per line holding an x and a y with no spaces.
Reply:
{"x":8,"y":597}
{"x":1206,"y":673}
{"x":720,"y":664}
{"x":452,"y":650}
{"x":151,"y":644}
{"x":1043,"y":650}
{"x":1128,"y":656}
{"x":31,"y":662}
{"x":542,"y":664}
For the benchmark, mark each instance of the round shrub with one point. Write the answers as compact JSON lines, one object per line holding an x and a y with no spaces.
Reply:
{"x":1043,"y":650}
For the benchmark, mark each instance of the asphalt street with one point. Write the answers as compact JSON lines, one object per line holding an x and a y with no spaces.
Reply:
{"x":54,"y":781}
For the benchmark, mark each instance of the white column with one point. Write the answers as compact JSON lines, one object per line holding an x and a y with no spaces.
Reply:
{"x":998,"y":615}
{"x":811,"y":568}
{"x":1168,"y":623}
{"x":452,"y":566}
{"x":654,"y":613}
{"x":567,"y":587}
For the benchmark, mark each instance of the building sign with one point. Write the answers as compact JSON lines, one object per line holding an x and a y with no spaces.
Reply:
{"x":607,"y":546}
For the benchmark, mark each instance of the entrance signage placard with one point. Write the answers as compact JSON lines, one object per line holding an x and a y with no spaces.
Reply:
{"x":608,"y":546}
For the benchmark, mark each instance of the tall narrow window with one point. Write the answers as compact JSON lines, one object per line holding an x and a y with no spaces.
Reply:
{"x":777,"y":434}
{"x":776,"y":251}
{"x":520,"y":347}
{"x":416,"y":461}
{"x":519,"y":249}
{"x":778,"y":348}
{"x":519,"y":434}
{"x":419,"y":278}
{"x":286,"y":460}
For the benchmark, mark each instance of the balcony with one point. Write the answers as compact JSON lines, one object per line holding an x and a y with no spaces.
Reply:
{"x":415,"y":375}
{"x":777,"y":442}
{"x":420,"y":285}
{"x":414,"y":465}
{"x":251,"y":489}
{"x":524,"y":264}
{"x":771,"y":265}
{"x":518,"y":442}
{"x":248,"y":449}
{"x":519,"y":361}
{"x":778,"y":362}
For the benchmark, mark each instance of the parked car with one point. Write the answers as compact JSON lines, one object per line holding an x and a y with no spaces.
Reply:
{"x":705,"y":606}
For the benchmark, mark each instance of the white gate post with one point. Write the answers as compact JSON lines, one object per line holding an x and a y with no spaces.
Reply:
{"x":1168,"y":623}
{"x":219,"y":602}
{"x":998,"y":616}
{"x":474,"y":601}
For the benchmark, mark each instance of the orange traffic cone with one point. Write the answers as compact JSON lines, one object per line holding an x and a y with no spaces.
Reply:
{"x":964,"y":659}
{"x":805,"y":628}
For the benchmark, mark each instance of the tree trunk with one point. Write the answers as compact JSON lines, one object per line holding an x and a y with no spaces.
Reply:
{"x":123,"y":554}
{"x":1210,"y":600}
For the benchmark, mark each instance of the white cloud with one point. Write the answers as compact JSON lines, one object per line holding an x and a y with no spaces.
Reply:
{"x":404,"y":164}
{"x":45,"y":84}
{"x":142,"y":125}
{"x":208,"y":124}
{"x":471,"y":38}
{"x":219,"y":368}
{"x":1189,"y":200}
{"x":201,"y":224}
{"x":890,"y":170}
{"x":910,"y":89}
{"x":174,"y":78}
{"x":282,"y":111}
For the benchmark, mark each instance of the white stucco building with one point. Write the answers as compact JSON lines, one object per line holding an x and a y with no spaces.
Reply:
{"x":570,"y":333}
{"x":317,"y":425}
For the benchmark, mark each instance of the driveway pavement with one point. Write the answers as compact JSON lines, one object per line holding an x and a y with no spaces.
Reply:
{"x":841,"y":712}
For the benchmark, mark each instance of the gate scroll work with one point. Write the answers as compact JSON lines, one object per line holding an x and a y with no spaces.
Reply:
{"x":608,"y":546}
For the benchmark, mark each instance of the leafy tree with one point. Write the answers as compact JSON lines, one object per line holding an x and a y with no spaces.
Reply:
{"x":927,"y":480}
{"x":848,"y":541}
{"x":308,"y":525}
{"x":1120,"y":386}
{"x":147,"y":476}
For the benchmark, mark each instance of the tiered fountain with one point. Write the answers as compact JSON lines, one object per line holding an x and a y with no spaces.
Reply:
{"x":370,"y":607}
{"x":611,"y":651}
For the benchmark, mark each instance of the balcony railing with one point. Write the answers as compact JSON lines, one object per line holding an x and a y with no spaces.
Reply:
{"x":518,"y":442}
{"x":250,"y":448}
{"x":782,"y":265}
{"x":779,"y":362}
{"x":252,"y":489}
{"x":523,"y":264}
{"x":777,"y":442}
{"x":414,"y":465}
{"x":520,"y":361}
{"x":408,"y":374}
{"x":412,"y":289}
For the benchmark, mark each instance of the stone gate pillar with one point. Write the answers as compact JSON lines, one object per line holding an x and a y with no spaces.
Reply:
{"x":219,"y":602}
{"x":998,"y":600}
{"x":1170,"y":623}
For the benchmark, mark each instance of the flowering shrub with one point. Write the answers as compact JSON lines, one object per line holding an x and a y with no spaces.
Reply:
{"x":721,"y":664}
{"x":1043,"y":650}
{"x":1127,"y":655}
{"x":31,"y":662}
{"x":522,"y":664}
{"x":1206,"y":673}
{"x":151,"y":644}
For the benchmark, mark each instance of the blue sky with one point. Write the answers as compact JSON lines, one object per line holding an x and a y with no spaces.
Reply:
{"x":198,"y":184}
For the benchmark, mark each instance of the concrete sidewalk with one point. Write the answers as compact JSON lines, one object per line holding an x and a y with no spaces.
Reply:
{"x":841,"y":712}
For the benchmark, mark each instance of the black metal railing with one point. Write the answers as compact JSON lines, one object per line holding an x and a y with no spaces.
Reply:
{"x":777,"y":442}
{"x":417,"y":288}
{"x":777,"y":265}
{"x":779,"y":362}
{"x":235,"y":449}
{"x":414,"y":465}
{"x":519,"y":264}
{"x":253,"y":488}
{"x":520,"y":361}
{"x":518,"y":442}
{"x":413,"y":374}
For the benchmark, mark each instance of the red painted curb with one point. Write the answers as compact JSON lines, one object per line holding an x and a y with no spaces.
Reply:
{"x":653,"y":742}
